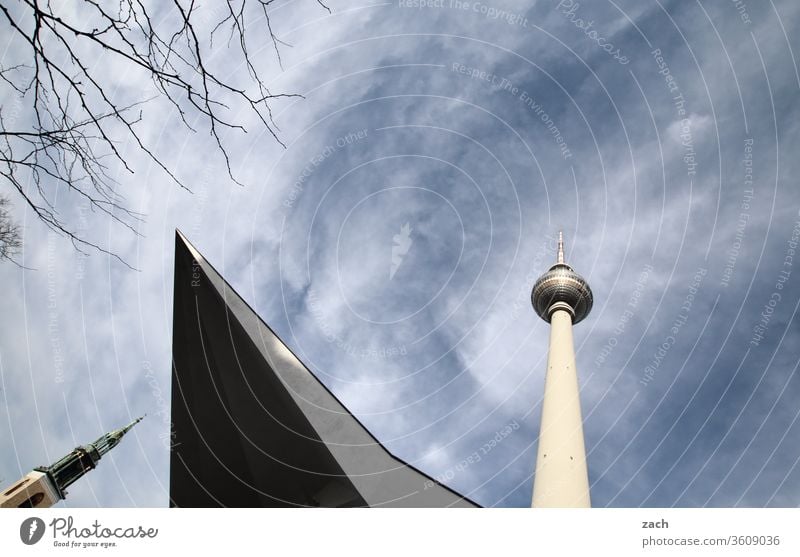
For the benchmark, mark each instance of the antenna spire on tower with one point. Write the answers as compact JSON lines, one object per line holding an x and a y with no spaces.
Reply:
{"x":560,"y":247}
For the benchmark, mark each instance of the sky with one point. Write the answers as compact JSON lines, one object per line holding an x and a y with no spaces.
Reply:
{"x":436,"y":151}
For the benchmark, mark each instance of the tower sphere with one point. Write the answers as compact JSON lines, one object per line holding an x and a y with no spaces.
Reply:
{"x":561,"y":287}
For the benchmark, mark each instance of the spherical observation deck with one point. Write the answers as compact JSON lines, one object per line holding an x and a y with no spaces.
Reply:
{"x":562,"y":288}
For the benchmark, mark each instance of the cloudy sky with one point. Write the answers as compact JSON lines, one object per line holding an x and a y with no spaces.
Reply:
{"x":439,"y":147}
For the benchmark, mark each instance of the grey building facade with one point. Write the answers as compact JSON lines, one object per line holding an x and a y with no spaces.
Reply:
{"x":253,"y":427}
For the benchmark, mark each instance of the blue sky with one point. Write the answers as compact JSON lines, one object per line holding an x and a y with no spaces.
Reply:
{"x":662,"y":139}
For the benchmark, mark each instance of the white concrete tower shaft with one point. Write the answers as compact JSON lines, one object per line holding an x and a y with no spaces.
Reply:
{"x":561,"y":297}
{"x":562,"y":478}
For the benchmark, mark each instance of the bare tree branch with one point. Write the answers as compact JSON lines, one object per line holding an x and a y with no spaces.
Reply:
{"x":69,"y":132}
{"x":10,"y":239}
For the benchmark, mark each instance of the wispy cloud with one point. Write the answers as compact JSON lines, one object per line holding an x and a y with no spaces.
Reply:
{"x":440,"y":122}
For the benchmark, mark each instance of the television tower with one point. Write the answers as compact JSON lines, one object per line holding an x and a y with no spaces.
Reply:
{"x":562,"y":298}
{"x":46,"y":485}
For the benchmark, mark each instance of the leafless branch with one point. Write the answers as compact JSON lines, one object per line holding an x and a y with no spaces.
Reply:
{"x":10,"y":239}
{"x":67,"y":127}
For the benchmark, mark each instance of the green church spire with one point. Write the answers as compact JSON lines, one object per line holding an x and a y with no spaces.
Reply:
{"x":67,"y":470}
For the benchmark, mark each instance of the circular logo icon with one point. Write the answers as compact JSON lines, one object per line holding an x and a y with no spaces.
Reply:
{"x":31,"y":530}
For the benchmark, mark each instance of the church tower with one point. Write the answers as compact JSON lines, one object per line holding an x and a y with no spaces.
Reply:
{"x":46,"y":485}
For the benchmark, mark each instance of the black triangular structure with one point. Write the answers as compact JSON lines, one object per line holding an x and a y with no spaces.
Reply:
{"x":253,"y":427}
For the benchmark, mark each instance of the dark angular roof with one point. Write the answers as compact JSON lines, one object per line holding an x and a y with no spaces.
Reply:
{"x":253,"y":427}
